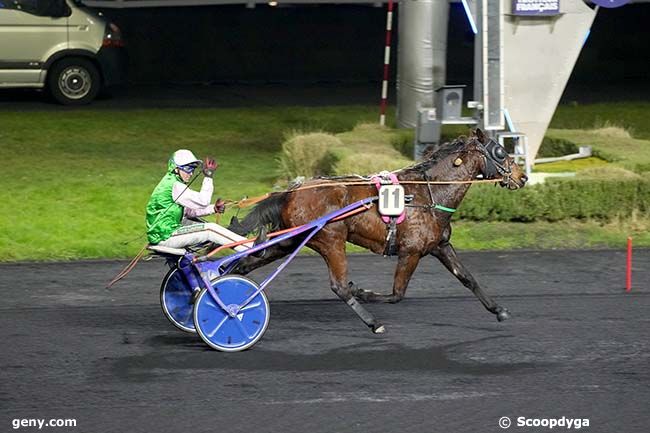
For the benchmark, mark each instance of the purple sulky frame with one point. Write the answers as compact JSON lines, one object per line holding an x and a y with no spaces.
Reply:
{"x":214,"y":269}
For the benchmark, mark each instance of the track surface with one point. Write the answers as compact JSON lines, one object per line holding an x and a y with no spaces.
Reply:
{"x":577,"y":346}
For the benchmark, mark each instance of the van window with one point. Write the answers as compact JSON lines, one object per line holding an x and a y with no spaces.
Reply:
{"x":41,"y":8}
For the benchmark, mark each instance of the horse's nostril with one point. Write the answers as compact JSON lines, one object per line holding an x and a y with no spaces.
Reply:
{"x":524,"y":178}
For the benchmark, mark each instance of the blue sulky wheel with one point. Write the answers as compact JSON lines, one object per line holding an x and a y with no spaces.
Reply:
{"x":219,"y":329}
{"x":175,"y":299}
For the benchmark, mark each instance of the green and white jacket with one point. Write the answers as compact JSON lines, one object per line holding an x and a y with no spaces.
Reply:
{"x":170,"y":201}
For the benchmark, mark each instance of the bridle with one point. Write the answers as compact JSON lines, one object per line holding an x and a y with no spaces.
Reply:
{"x":495,"y":160}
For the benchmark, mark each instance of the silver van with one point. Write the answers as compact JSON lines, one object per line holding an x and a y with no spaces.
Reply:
{"x":60,"y":45}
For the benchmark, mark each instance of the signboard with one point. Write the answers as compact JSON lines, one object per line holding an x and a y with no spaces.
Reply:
{"x":610,"y":3}
{"x":536,"y":7}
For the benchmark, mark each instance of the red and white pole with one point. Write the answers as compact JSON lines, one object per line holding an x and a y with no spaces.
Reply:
{"x":628,"y":268}
{"x":384,"y":83}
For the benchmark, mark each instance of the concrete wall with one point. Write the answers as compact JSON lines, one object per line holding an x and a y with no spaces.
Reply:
{"x":539,"y":56}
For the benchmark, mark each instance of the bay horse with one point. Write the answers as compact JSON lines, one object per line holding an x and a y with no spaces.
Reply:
{"x":425,"y":231}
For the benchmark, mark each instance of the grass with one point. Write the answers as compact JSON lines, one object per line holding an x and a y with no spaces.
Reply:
{"x":632,"y":116}
{"x":76,"y":182}
{"x":366,"y":149}
{"x":567,"y":234}
{"x":608,"y":144}
{"x":572,"y":165}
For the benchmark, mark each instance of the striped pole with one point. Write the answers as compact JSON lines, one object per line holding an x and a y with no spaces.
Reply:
{"x":384,"y":83}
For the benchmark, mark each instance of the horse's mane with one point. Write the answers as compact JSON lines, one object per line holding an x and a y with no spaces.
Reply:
{"x":432,"y":156}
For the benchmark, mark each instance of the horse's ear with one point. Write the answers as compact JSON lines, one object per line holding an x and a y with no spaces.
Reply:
{"x":480,"y":135}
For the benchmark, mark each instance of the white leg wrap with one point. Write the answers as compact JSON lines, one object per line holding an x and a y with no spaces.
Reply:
{"x":198,"y":233}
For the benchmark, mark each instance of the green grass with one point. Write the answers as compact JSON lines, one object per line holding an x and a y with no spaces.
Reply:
{"x":566,"y":234}
{"x":632,"y":116}
{"x":76,"y":182}
{"x":367,"y":148}
{"x":629,"y":152}
{"x":572,"y":165}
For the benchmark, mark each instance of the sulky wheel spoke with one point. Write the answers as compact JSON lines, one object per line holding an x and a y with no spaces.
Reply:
{"x":226,"y":317}
{"x":243,"y":329}
{"x":187,"y":316}
{"x":249,"y":306}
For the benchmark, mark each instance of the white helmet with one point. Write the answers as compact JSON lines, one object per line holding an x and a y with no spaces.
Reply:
{"x":183,"y":157}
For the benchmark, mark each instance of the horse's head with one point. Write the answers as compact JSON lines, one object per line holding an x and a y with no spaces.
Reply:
{"x":496,"y":163}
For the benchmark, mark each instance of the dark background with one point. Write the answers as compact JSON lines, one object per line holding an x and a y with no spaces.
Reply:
{"x":340,"y":43}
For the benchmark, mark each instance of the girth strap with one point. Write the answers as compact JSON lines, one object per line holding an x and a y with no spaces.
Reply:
{"x":391,"y":238}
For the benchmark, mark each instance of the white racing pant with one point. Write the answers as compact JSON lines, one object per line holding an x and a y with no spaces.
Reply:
{"x":194,"y":234}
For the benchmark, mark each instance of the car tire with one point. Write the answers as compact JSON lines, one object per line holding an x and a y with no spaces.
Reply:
{"x":74,"y":81}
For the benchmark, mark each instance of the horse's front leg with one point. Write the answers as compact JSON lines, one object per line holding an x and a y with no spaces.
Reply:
{"x":337,"y":265}
{"x":406,"y":265}
{"x":447,"y":256}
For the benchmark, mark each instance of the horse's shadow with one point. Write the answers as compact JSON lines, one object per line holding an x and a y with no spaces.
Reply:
{"x":387,"y":357}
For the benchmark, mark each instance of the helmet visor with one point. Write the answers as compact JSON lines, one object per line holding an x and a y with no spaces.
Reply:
{"x":188,"y":168}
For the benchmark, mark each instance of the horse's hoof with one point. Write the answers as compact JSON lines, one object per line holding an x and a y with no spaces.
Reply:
{"x":378,"y":329}
{"x":503,"y":314}
{"x":353,"y":288}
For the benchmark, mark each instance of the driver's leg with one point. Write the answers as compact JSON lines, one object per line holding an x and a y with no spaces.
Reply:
{"x":195,"y":234}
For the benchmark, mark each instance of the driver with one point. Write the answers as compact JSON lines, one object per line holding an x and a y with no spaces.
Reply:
{"x":173,"y":209}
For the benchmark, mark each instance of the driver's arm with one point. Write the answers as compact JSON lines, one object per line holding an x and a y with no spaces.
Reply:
{"x":191,"y":199}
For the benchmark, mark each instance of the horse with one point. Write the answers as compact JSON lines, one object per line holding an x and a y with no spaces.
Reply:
{"x":436,"y":185}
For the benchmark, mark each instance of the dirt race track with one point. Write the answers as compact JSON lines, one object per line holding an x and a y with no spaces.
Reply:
{"x":576,"y":347}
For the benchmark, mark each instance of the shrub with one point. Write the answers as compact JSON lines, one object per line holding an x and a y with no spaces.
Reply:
{"x":308,"y":154}
{"x":606,"y":172}
{"x":403,"y":142}
{"x":552,"y":147}
{"x":365,"y":164}
{"x":558,"y":199}
{"x":612,"y":130}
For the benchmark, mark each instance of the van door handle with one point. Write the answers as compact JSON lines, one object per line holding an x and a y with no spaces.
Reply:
{"x":83,"y":28}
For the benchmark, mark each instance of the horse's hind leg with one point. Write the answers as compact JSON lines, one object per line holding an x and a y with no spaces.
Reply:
{"x":447,"y":256}
{"x":406,"y":265}
{"x":337,"y":265}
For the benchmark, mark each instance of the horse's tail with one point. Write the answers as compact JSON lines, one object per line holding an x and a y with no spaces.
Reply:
{"x":268,"y":212}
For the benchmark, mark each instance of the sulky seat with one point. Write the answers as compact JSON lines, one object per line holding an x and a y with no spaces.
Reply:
{"x":159,"y":249}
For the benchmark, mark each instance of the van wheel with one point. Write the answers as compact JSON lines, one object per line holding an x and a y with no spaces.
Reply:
{"x":74,"y":81}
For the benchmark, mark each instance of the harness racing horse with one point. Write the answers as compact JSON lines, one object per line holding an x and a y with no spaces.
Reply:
{"x":425,"y":231}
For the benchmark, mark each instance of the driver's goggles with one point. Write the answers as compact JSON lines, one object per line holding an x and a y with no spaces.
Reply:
{"x":189,"y":168}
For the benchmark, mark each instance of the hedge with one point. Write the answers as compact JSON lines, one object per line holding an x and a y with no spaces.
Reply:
{"x":557,"y":199}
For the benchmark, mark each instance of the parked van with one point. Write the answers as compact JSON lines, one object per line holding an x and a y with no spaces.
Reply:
{"x":60,"y":45}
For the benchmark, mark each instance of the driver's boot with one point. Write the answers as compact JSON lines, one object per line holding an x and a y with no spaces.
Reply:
{"x":261,"y":238}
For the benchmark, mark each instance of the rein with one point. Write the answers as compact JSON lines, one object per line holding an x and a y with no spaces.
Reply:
{"x":487,"y":151}
{"x":246,"y":202}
